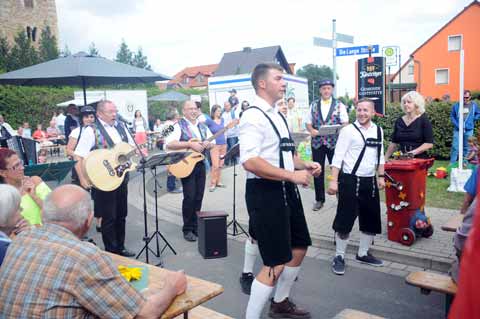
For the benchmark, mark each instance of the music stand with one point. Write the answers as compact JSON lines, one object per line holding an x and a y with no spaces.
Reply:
{"x":50,"y":171}
{"x":152,"y":163}
{"x":230,"y":155}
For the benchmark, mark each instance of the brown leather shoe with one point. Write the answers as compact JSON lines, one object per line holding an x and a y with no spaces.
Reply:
{"x":287,"y":309}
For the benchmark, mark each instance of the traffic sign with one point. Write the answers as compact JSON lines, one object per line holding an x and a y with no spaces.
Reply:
{"x":391,"y":55}
{"x":357,"y":50}
{"x":322,"y":42}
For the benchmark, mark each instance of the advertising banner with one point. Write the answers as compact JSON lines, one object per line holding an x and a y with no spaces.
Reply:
{"x":371,"y":81}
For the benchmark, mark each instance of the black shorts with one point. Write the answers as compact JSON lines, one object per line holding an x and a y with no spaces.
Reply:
{"x":357,"y":196}
{"x":276,"y":227}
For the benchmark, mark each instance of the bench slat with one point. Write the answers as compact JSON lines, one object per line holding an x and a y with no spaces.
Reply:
{"x":201,"y":312}
{"x":453,"y":223}
{"x":432,"y":281}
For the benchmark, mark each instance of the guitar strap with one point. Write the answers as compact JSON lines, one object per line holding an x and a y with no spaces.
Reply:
{"x":107,"y":137}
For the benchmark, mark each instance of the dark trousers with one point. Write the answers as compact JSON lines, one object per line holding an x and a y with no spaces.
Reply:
{"x":231,"y":141}
{"x":318,"y":155}
{"x":193,"y":189}
{"x":113,"y":208}
{"x":171,"y":179}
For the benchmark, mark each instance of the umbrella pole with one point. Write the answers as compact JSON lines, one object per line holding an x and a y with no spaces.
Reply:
{"x":84,"y":92}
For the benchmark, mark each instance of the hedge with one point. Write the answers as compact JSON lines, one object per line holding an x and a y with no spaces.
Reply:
{"x":439,"y":115}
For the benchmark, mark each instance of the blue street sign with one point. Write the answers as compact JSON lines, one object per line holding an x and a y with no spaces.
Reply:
{"x":357,"y":50}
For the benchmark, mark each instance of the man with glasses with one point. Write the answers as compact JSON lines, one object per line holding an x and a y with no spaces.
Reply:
{"x":471,"y":113}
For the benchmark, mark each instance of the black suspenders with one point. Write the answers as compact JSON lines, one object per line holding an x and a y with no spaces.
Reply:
{"x":369,"y":142}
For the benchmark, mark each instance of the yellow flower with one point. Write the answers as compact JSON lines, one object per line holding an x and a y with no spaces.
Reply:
{"x":130,"y":273}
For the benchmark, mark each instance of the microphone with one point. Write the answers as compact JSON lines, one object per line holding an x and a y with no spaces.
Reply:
{"x":122,"y":119}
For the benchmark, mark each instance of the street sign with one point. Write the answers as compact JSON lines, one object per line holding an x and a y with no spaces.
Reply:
{"x":391,"y":54}
{"x":371,"y":81}
{"x":321,"y":42}
{"x":357,"y":50}
{"x":345,"y":38}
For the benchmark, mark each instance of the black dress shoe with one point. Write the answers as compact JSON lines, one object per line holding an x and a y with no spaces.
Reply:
{"x":99,"y":228}
{"x":127,"y":253}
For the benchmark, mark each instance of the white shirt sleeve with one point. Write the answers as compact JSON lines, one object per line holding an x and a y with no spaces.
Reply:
{"x":308,"y":116}
{"x":382,"y":155}
{"x":343,"y":113}
{"x":75,"y":133}
{"x":342,"y":146}
{"x":85,"y":143}
{"x":250,"y":135}
{"x":174,"y":136}
{"x":10,"y":129}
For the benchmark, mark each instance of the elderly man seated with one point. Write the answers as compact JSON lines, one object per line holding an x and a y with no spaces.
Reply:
{"x":11,"y":222}
{"x":49,"y":272}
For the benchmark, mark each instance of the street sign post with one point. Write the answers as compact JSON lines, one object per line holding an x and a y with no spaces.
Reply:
{"x":364,"y":49}
{"x":332,"y":43}
{"x":391,"y":55}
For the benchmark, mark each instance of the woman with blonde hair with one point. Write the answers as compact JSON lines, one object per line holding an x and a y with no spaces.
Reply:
{"x":412,"y":133}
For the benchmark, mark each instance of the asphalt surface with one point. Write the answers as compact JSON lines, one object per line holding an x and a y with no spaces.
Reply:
{"x":318,"y":289}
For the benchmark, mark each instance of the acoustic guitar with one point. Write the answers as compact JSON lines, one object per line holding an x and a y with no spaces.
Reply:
{"x":106,"y":168}
{"x":185,"y":167}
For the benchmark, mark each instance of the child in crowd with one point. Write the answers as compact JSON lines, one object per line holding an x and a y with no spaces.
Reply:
{"x":42,"y":156}
{"x":472,"y":157}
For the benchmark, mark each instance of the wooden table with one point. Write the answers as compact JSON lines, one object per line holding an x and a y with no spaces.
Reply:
{"x":453,"y":223}
{"x":198,"y":290}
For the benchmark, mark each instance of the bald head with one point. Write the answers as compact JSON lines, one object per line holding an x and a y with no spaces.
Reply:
{"x":69,"y":205}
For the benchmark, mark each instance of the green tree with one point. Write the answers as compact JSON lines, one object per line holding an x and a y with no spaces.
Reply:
{"x":314,"y":73}
{"x":92,"y":50}
{"x":65,"y":52}
{"x":23,"y":53}
{"x":48,"y":49}
{"x":4,"y":54}
{"x":124,"y":55}
{"x":140,"y":61}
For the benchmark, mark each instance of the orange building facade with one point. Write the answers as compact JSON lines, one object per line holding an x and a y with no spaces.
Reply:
{"x":436,"y":63}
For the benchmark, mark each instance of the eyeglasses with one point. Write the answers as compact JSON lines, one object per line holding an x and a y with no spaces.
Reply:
{"x":17,"y":166}
{"x":466,"y":97}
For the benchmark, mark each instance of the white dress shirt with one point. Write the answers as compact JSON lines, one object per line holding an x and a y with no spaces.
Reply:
{"x":258,"y":139}
{"x":349,"y":146}
{"x":8,"y":128}
{"x":325,"y":107}
{"x":193,"y":127}
{"x":227,"y":118}
{"x":87,"y":140}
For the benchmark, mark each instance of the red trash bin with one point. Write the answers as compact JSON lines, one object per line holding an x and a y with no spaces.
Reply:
{"x":405,"y":191}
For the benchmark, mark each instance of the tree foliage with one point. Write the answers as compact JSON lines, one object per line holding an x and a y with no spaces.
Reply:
{"x":92,"y":50}
{"x":4,"y":54}
{"x":124,"y":55}
{"x":22,"y":54}
{"x":48,"y":49}
{"x":314,"y":73}
{"x":140,"y":60}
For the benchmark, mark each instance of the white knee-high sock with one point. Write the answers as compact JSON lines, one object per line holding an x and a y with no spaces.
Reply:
{"x":365,"y":242}
{"x":340,"y":246}
{"x":285,"y":283}
{"x":259,"y":295}
{"x":251,"y":253}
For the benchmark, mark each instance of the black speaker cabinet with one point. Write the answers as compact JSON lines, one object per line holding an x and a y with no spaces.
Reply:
{"x":212,"y":234}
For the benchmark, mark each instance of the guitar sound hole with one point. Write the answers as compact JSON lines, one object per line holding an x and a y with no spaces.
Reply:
{"x":122,"y":159}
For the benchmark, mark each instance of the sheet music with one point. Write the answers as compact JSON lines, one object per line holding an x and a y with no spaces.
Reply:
{"x":325,"y":130}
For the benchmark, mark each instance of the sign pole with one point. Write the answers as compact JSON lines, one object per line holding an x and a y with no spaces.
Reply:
{"x":389,"y":83}
{"x":334,"y":53}
{"x":460,"y":114}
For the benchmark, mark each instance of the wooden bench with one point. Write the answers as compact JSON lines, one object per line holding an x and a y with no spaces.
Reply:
{"x":355,"y":314}
{"x":200,"y":312}
{"x":453,"y":223}
{"x":428,"y":282}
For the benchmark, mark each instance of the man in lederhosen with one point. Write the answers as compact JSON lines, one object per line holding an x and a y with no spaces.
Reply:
{"x":327,"y":110}
{"x":185,"y":130}
{"x":277,"y":221}
{"x":112,"y":205}
{"x":357,"y":174}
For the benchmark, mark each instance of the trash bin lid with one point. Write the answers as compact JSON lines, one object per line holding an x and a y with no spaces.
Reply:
{"x":409,"y":164}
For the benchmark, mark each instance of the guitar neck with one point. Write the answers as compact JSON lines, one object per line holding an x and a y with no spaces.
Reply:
{"x":214,"y":136}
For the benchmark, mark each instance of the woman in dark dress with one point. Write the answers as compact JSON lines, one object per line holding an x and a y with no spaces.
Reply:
{"x":412,"y":133}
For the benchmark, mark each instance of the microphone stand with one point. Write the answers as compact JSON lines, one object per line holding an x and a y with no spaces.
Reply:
{"x":232,"y":154}
{"x":146,"y":239}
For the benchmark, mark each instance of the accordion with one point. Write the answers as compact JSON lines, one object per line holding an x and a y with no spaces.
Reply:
{"x":26,"y":149}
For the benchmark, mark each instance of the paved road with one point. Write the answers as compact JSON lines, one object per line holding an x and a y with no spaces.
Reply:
{"x":324,"y":293}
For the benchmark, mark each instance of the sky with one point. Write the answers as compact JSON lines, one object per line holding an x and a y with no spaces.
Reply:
{"x":178,"y":34}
